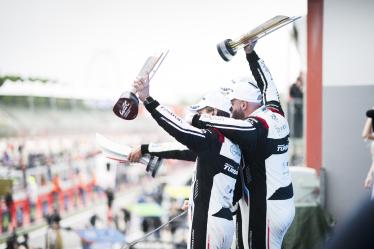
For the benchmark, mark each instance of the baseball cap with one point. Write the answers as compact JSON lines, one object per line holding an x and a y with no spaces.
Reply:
{"x":244,"y":90}
{"x":214,"y":99}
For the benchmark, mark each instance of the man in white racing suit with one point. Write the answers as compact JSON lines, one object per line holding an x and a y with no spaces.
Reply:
{"x":217,"y":165}
{"x":259,"y":127}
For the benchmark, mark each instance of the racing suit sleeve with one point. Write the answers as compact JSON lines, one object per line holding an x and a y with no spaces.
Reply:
{"x":195,"y":139}
{"x":244,"y":133}
{"x":265,"y":82}
{"x":172,"y":150}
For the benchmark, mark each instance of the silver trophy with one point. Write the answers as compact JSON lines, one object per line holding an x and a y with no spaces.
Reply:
{"x":228,"y":48}
{"x":127,"y":105}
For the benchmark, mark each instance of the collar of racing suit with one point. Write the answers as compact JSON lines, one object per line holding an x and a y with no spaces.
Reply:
{"x":258,"y":110}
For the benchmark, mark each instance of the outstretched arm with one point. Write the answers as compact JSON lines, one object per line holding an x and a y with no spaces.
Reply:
{"x":171,"y":150}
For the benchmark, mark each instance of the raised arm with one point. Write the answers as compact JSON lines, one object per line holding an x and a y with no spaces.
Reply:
{"x":264,"y":81}
{"x":195,"y":139}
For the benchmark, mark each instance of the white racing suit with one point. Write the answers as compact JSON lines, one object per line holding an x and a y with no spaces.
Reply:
{"x":266,"y":207}
{"x":217,"y":165}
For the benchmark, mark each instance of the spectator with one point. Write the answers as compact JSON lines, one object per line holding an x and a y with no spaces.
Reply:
{"x":296,"y":89}
{"x":296,"y":118}
{"x":296,"y":107}
{"x":5,"y":216}
{"x":56,"y":189}
{"x":7,"y":162}
{"x":110,"y":198}
{"x":81,"y":185}
{"x":22,"y":163}
{"x":54,"y":236}
{"x":126,"y":218}
{"x":368,"y":134}
{"x":109,"y":184}
{"x":93,"y":220}
{"x":32,"y":194}
{"x":10,"y":206}
{"x":11,"y":242}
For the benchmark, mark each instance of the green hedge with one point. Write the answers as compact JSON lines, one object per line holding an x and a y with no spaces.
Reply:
{"x":16,"y":78}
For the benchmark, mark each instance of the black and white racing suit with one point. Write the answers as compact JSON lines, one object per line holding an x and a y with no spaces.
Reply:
{"x":217,"y":165}
{"x":169,"y":150}
{"x":263,"y":139}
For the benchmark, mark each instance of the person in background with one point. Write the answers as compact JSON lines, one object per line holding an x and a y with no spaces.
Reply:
{"x":296,"y":89}
{"x":81,"y":175}
{"x":56,"y":190}
{"x":32,"y":193}
{"x":6,"y":160}
{"x":9,"y":202}
{"x":54,"y":235}
{"x":23,"y":163}
{"x":109,"y":191}
{"x":368,"y":134}
{"x":296,"y":118}
{"x":12,"y":242}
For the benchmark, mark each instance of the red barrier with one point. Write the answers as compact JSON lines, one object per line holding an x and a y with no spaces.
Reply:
{"x":23,"y":214}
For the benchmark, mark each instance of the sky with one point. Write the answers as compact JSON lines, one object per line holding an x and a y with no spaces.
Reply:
{"x":97,"y":43}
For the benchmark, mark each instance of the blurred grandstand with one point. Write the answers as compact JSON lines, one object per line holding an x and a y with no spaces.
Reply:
{"x":35,"y":108}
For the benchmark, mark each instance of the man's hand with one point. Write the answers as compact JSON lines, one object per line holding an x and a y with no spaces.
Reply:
{"x":250,"y":47}
{"x":141,"y":85}
{"x":135,"y":155}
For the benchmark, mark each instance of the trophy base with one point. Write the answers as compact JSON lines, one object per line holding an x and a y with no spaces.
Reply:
{"x":127,"y":106}
{"x":225,"y":50}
